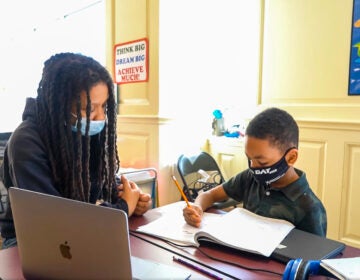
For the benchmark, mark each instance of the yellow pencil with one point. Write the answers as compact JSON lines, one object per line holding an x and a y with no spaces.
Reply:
{"x":181,"y":191}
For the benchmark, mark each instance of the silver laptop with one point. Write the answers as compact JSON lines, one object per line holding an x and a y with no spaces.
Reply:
{"x":60,"y":238}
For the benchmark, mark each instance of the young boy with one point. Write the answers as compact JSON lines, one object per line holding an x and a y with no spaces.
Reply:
{"x":271,"y":186}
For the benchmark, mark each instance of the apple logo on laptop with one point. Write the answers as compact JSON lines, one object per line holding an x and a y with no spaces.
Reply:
{"x":65,"y":250}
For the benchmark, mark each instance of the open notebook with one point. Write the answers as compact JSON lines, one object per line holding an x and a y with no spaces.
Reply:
{"x":242,"y":230}
{"x":60,"y":238}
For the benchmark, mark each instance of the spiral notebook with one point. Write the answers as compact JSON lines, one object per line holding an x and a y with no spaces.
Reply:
{"x":60,"y":238}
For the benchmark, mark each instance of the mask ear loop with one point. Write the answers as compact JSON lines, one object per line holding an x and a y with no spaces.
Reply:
{"x":286,"y":152}
{"x":75,"y":125}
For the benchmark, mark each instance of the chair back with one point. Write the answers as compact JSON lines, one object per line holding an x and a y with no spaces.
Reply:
{"x":4,"y":137}
{"x":188,"y":164}
{"x":200,"y":172}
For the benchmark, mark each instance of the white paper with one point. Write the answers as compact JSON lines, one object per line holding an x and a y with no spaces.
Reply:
{"x":239,"y":228}
{"x":343,"y":268}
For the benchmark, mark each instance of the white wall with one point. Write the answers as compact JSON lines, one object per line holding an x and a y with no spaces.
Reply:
{"x":208,"y":59}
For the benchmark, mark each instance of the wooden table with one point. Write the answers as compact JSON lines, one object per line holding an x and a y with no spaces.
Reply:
{"x":241,"y":261}
{"x":237,"y":266}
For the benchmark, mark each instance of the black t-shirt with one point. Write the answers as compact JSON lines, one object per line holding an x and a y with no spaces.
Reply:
{"x":295,"y":203}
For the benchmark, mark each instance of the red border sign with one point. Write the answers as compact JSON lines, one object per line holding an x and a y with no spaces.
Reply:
{"x":131,"y":61}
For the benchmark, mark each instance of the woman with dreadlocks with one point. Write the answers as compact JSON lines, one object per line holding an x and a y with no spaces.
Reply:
{"x":66,"y":143}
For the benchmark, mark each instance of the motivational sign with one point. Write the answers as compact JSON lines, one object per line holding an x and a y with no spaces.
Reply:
{"x":131,"y":62}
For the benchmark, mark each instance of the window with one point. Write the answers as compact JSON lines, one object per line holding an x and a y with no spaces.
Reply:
{"x":32,"y":31}
{"x":209,"y":57}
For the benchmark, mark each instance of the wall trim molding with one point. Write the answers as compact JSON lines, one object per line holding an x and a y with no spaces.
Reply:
{"x":143,"y":119}
{"x":330,"y":124}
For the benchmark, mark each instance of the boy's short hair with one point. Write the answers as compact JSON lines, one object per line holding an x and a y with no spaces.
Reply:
{"x":277,"y":126}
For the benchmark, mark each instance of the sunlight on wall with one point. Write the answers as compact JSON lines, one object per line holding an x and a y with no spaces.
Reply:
{"x":31,"y":35}
{"x":209,"y":58}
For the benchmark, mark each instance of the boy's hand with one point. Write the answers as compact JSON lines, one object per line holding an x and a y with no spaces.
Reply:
{"x":193,"y":215}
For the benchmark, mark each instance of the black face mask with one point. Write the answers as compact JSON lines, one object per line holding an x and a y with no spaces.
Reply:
{"x":270,"y":174}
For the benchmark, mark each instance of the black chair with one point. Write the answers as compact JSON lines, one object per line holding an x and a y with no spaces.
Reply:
{"x":4,"y":137}
{"x":200,"y":172}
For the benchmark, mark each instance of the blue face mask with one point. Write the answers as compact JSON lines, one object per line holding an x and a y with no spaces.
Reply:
{"x":95,"y":127}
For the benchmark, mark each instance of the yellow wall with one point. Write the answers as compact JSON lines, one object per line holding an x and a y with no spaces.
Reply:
{"x":304,"y":69}
{"x":306,"y":47}
{"x":141,"y":132}
{"x":128,"y":21}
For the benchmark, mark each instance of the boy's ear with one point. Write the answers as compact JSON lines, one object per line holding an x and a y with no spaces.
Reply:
{"x":292,"y":156}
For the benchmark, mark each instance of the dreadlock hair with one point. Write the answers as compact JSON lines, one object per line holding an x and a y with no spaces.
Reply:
{"x":277,"y":126}
{"x":65,"y":76}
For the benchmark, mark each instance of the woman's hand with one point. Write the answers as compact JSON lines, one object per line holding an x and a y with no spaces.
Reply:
{"x":144,"y":203}
{"x":193,"y":215}
{"x":130,"y":192}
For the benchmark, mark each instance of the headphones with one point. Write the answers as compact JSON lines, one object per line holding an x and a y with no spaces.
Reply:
{"x":300,"y":269}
